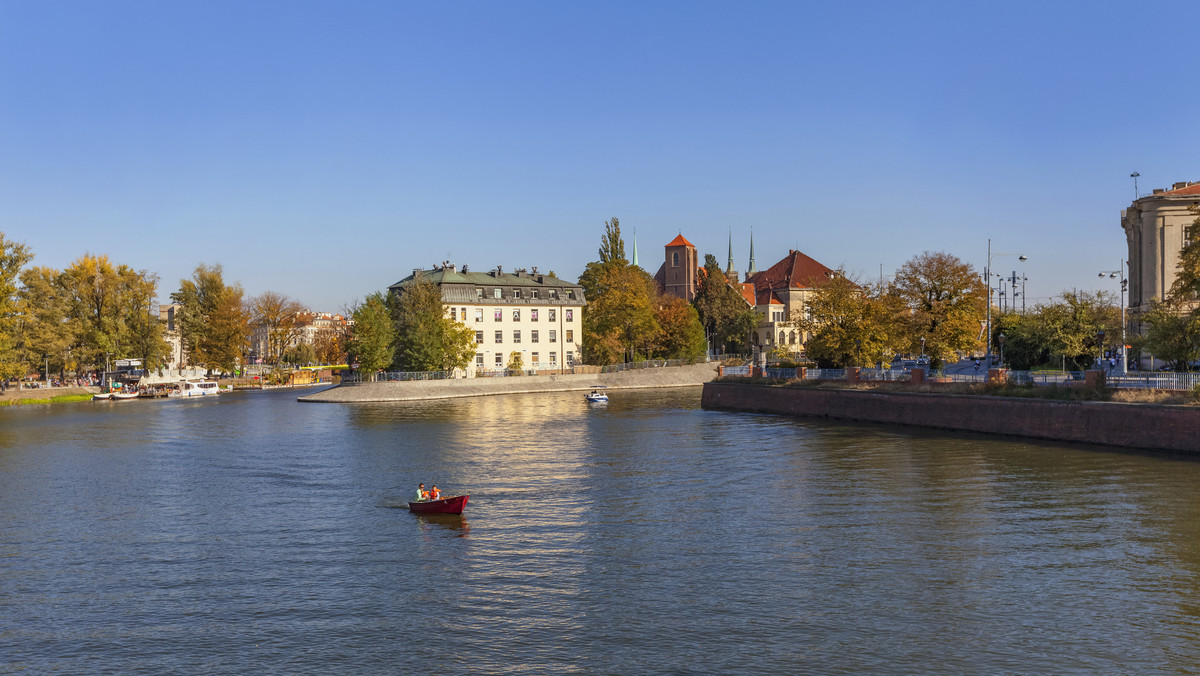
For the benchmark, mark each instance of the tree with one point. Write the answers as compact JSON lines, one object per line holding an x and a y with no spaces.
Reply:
{"x":1172,"y":333}
{"x":278,"y":317}
{"x":45,"y":336}
{"x":516,"y":363}
{"x":92,"y":286}
{"x":373,"y":340}
{"x":621,"y":298}
{"x":947,"y":301}
{"x":213,"y":321}
{"x":1072,"y":325}
{"x":141,"y":331}
{"x":724,"y":314}
{"x":13,"y":257}
{"x":850,"y":324}
{"x":329,"y":343}
{"x":681,"y":336}
{"x":426,"y":338}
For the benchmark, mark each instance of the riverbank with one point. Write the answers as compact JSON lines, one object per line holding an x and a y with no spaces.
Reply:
{"x":53,"y":395}
{"x":1143,"y":426}
{"x":668,"y":376}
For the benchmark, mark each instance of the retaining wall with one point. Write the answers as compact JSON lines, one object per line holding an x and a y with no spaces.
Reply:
{"x":1146,"y":426}
{"x":666,"y":376}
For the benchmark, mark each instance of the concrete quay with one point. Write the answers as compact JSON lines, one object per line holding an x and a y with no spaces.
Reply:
{"x":415,"y":390}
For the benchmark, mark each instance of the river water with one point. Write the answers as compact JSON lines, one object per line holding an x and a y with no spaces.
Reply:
{"x":252,"y":533}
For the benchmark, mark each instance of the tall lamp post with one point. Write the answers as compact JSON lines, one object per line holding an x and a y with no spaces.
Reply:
{"x":1114,"y":274}
{"x":987,"y":276}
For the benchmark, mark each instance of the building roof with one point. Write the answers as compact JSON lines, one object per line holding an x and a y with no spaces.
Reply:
{"x":1181,"y":190}
{"x":681,"y":241}
{"x":449,"y":274}
{"x":747,"y":291}
{"x":795,"y":271}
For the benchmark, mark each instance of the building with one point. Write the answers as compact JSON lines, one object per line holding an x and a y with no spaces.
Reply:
{"x":537,"y":315}
{"x":307,"y":330}
{"x":780,"y":293}
{"x":169,"y":314}
{"x":1156,"y":229}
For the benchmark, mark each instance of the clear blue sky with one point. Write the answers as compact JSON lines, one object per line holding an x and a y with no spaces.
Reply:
{"x":325,"y":149}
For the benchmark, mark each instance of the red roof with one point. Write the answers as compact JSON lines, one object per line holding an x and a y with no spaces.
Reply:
{"x":680,"y":241}
{"x":795,"y":271}
{"x":747,"y":290}
{"x":1193,"y":189}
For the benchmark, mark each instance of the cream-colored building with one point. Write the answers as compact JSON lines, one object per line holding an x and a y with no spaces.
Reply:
{"x":1156,"y":229}
{"x":534,"y":314}
{"x":780,"y":294}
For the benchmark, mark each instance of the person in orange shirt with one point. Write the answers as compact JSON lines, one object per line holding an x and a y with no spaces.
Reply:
{"x":434,"y":493}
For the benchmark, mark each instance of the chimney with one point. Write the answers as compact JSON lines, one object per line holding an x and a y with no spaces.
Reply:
{"x":1178,"y":185}
{"x":464,"y":268}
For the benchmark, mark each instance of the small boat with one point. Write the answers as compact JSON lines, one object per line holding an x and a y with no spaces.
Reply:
{"x":596,"y":395}
{"x":195,"y":388}
{"x":452,"y":505}
{"x":122,"y":396}
{"x":102,"y":396}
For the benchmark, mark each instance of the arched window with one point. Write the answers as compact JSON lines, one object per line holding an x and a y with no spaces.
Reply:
{"x":674,"y":259}
{"x":782,"y":338}
{"x":792,"y":337}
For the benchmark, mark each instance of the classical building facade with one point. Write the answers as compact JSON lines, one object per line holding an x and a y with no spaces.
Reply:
{"x":780,"y":294}
{"x":1156,"y":229}
{"x":524,"y":311}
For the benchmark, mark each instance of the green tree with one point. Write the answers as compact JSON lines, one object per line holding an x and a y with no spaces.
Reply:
{"x":13,"y":257}
{"x":426,"y":338}
{"x":947,"y":302}
{"x":516,"y":363}
{"x":142,"y":332}
{"x":1072,"y":325}
{"x":620,"y":315}
{"x":1172,"y":332}
{"x":213,"y":320}
{"x":372,"y":341}
{"x":725,"y":315}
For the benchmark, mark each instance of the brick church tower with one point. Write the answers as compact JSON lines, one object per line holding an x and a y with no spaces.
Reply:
{"x":678,"y":274}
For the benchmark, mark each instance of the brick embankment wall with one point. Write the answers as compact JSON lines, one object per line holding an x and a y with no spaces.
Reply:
{"x":1145,"y":426}
{"x":671,"y":376}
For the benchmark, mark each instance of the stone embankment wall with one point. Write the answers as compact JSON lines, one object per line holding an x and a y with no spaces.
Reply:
{"x":1145,"y":426}
{"x":668,"y":376}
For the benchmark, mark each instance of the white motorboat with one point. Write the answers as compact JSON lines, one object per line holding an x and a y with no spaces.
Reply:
{"x":195,"y":388}
{"x":597,"y":395}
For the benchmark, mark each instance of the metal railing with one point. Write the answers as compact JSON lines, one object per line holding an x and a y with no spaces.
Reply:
{"x":1133,"y":380}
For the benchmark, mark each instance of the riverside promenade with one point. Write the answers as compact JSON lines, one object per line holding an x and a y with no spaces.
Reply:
{"x":415,"y":390}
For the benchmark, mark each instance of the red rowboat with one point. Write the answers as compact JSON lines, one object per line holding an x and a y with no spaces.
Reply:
{"x":452,"y":505}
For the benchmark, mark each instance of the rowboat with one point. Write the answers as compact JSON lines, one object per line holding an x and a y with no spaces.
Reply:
{"x":122,"y":396}
{"x":452,"y":505}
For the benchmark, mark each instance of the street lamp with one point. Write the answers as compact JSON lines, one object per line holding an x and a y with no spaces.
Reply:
{"x":987,"y":276}
{"x":1000,"y":339}
{"x":1114,"y":274}
{"x":1100,"y":344}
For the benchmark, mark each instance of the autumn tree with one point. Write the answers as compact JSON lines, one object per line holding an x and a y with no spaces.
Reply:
{"x":278,"y":318}
{"x":372,"y":342}
{"x":142,"y":334}
{"x":426,"y":338}
{"x":725,"y":315}
{"x":681,"y":336}
{"x":850,"y":324}
{"x":13,"y":257}
{"x":620,"y":316}
{"x":329,"y":344}
{"x":214,"y":322}
{"x":1171,"y":332}
{"x":45,"y":334}
{"x":947,"y":301}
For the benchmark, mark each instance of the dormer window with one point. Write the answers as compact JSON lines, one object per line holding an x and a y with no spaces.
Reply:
{"x":497,"y":293}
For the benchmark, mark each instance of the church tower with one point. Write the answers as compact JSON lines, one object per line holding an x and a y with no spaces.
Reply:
{"x":730,"y":271}
{"x":679,"y":269}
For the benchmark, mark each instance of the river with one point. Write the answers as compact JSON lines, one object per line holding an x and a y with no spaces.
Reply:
{"x":252,"y":533}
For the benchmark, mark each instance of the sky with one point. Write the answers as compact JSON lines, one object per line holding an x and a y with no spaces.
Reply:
{"x":323,"y":150}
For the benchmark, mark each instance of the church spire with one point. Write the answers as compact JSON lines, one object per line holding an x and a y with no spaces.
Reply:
{"x":635,"y":260}
{"x":753,"y":268}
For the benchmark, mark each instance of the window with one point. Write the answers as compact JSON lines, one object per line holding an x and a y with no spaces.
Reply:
{"x":571,"y":294}
{"x":516,"y":336}
{"x":533,"y":314}
{"x":552,"y":294}
{"x":570,"y":359}
{"x":498,"y":315}
{"x":534,"y":294}
{"x":674,"y":259}
{"x":553,"y":337}
{"x":478,"y":360}
{"x":570,"y":335}
{"x":454,"y":314}
{"x":479,"y":337}
{"x":533,"y":336}
{"x":516,"y":315}
{"x":479,"y":292}
{"x":497,"y":293}
{"x":533,"y":358}
{"x":553,"y":358}
{"x":499,"y":360}
{"x":553,"y":313}
{"x":499,"y":336}
{"x":516,"y":293}
{"x":479,"y":314}
{"x":777,"y":316}
{"x":570,"y":314}
{"x":782,"y":338}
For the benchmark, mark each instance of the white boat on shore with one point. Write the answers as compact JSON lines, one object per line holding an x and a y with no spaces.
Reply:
{"x":195,"y":388}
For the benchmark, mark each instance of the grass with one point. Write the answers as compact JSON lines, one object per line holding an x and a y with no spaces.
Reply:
{"x":1048,"y":393}
{"x":51,"y":400}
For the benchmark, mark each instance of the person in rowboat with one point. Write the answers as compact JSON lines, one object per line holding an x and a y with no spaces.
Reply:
{"x":434,"y":493}
{"x":421,"y":494}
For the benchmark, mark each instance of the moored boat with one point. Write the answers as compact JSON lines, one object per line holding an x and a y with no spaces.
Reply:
{"x":195,"y":388}
{"x":452,"y":505}
{"x":122,"y":396}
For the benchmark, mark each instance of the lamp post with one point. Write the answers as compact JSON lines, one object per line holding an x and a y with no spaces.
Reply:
{"x":1114,"y":274}
{"x":1000,"y":339}
{"x":987,"y":276}
{"x":1100,"y":345}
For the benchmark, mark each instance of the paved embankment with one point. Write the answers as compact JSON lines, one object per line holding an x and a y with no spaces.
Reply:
{"x":670,"y":376}
{"x":1146,"y":426}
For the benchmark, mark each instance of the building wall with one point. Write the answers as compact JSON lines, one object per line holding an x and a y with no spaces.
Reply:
{"x":1155,"y":232}
{"x":547,"y":336}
